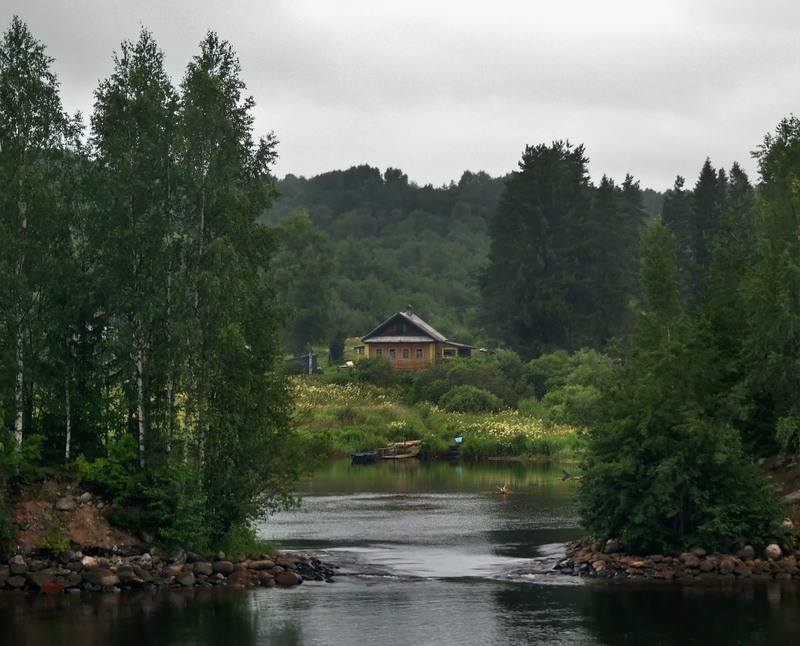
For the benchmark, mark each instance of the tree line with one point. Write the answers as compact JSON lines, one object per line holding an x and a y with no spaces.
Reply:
{"x":141,"y":329}
{"x":146,"y":304}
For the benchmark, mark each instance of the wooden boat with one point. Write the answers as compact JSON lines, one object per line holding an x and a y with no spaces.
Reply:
{"x":400,"y":450}
{"x":400,"y":456}
{"x":364,"y":457}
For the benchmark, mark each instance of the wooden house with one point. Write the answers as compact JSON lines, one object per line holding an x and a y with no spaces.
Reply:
{"x":409,"y":343}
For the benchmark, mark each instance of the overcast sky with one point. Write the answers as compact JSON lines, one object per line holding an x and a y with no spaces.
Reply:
{"x":437,"y":87}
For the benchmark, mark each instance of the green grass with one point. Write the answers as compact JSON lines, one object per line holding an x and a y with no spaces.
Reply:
{"x":338,"y":419}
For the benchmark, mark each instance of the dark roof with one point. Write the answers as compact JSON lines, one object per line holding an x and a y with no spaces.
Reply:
{"x":423,"y":333}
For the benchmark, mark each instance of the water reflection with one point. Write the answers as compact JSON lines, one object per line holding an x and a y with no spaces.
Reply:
{"x":430,"y":554}
{"x":743,"y":612}
{"x":199,"y":616}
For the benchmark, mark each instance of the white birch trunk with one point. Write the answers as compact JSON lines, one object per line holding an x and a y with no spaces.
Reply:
{"x":67,"y":407}
{"x":140,"y":403}
{"x":19,"y":381}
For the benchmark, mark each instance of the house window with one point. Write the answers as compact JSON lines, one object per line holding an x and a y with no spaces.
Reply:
{"x":392,"y":354}
{"x":448,"y":353}
{"x":378,"y":352}
{"x":419,"y":353}
{"x":359,"y":349}
{"x":406,"y":353}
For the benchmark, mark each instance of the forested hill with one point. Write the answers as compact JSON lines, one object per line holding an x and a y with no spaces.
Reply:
{"x":358,"y":245}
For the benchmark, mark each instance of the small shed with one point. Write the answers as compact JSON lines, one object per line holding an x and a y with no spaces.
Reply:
{"x":308,"y":362}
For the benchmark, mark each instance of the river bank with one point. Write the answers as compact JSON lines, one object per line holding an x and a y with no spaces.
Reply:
{"x":595,"y":561}
{"x":76,"y":572}
{"x":64,"y":542}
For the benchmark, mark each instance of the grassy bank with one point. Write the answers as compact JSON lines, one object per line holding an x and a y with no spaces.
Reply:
{"x":335,"y":420}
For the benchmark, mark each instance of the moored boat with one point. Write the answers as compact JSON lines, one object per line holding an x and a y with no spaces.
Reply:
{"x":363,"y":457}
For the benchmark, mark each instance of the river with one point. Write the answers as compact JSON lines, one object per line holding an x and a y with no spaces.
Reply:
{"x":429,"y":553}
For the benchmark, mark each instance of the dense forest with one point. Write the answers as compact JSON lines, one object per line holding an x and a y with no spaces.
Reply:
{"x":154,"y":273}
{"x":358,"y":245}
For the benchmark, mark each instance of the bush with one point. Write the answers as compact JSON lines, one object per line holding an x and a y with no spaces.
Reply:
{"x":116,"y":474}
{"x":378,"y":372}
{"x":470,"y":399}
{"x":573,"y":405}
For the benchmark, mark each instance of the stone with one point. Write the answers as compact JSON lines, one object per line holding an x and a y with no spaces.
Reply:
{"x":186,"y":579}
{"x":260,"y":565}
{"x":17,"y":565}
{"x":223,"y":567}
{"x":288,"y":578}
{"x":265,"y":579}
{"x":89,"y":562}
{"x":177,"y":556}
{"x":66,"y":556}
{"x":100,"y":577}
{"x":85,"y":497}
{"x":34,"y":565}
{"x":708,"y":564}
{"x":792,"y":497}
{"x":747,"y":553}
{"x":203,"y":567}
{"x":130,"y":580}
{"x":16,"y":582}
{"x":727,"y":565}
{"x":772,"y":551}
{"x":65,"y":504}
{"x":37,"y":579}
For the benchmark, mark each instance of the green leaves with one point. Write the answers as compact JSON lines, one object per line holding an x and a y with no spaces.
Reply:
{"x":562,"y":259}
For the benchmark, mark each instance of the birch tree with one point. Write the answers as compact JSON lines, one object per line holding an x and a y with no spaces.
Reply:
{"x":132,"y":139}
{"x":33,"y":129}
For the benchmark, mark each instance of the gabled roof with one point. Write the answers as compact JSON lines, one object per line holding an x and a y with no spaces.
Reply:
{"x":421,"y":332}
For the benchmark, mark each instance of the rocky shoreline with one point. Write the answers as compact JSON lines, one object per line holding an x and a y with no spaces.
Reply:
{"x":76,"y":572}
{"x":607,"y":561}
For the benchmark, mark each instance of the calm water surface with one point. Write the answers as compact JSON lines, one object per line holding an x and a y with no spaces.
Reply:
{"x":429,"y":554}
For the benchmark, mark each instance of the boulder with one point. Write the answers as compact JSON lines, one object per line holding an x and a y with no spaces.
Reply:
{"x":727,"y":565}
{"x":37,"y":579}
{"x":65,"y":504}
{"x":223,"y":567}
{"x":203,"y":567}
{"x":186,"y":579}
{"x":288,"y":578}
{"x":16,"y":582}
{"x":260,"y":565}
{"x":792,"y":497}
{"x":747,"y":553}
{"x":772,"y":551}
{"x":100,"y":576}
{"x":17,"y":565}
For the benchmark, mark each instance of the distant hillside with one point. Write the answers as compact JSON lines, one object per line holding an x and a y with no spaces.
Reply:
{"x":382,"y":243}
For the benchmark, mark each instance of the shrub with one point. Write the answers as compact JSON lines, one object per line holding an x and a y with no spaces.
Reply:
{"x":470,"y":399}
{"x":115,"y":474}
{"x":53,"y":546}
{"x":573,"y":405}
